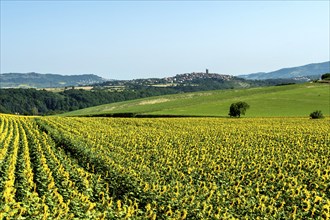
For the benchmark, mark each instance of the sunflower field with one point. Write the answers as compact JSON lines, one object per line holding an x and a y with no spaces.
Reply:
{"x":164,"y":168}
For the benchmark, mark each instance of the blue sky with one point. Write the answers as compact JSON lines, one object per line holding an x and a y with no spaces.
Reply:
{"x":142,"y":39}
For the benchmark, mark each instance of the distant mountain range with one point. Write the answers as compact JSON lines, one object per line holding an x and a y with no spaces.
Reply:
{"x":310,"y":71}
{"x":38,"y":80}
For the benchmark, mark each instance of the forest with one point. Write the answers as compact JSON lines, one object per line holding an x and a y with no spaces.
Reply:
{"x":42,"y":102}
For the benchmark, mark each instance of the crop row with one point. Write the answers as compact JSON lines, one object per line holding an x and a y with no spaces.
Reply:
{"x":188,"y":168}
{"x":202,"y":168}
{"x":39,"y":181}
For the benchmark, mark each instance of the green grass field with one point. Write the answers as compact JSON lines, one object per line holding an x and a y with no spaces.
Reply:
{"x":275,"y":101}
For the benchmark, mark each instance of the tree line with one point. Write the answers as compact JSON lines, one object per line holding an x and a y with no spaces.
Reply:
{"x":42,"y":102}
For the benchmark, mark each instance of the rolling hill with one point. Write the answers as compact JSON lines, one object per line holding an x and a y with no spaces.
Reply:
{"x":314,"y":70}
{"x":275,"y":101}
{"x":38,"y":80}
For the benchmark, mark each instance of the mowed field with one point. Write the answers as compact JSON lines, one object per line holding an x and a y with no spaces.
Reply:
{"x":164,"y":168}
{"x":277,"y":101}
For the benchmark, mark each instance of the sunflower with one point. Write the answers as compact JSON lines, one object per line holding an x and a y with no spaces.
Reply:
{"x":306,"y":205}
{"x":318,"y":200}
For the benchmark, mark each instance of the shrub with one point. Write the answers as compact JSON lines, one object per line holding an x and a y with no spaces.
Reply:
{"x":316,"y":114}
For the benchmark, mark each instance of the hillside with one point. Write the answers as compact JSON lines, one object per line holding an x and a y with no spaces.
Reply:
{"x":38,"y":80}
{"x":187,"y":82}
{"x":290,"y":100}
{"x":193,"y":82}
{"x":310,"y":71}
{"x":46,"y":101}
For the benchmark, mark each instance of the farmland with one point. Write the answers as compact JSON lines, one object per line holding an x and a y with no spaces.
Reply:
{"x":275,"y":101}
{"x":165,"y":168}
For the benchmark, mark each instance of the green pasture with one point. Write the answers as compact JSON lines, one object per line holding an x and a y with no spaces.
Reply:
{"x":275,"y":101}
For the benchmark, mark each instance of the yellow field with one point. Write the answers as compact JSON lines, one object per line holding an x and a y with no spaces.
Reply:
{"x":182,"y":168}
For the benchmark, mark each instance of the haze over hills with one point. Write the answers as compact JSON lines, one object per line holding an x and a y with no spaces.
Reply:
{"x":38,"y":80}
{"x":195,"y":81}
{"x":309,"y":71}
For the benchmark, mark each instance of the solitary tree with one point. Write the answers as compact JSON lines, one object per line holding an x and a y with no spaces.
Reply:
{"x":237,"y":109}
